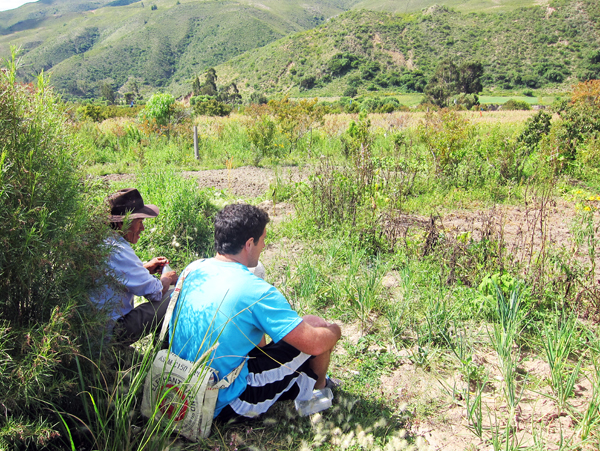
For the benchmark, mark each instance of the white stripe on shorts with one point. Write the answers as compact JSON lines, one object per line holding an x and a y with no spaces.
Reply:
{"x":243,"y":408}
{"x":278,"y":373}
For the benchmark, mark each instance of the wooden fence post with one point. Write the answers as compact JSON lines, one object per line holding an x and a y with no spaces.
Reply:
{"x":196,"y":153}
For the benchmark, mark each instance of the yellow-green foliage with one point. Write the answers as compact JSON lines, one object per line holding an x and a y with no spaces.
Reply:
{"x":446,"y":134}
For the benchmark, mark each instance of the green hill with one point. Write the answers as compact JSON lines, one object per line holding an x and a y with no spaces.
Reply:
{"x":303,"y":48}
{"x":157,"y":43}
{"x":524,"y":48}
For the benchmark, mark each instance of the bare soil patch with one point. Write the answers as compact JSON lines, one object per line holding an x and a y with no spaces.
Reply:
{"x":245,"y":182}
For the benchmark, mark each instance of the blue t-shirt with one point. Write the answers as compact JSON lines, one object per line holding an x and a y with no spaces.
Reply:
{"x":225,"y":302}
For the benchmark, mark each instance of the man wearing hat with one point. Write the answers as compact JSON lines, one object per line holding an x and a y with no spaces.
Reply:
{"x":127,"y":215}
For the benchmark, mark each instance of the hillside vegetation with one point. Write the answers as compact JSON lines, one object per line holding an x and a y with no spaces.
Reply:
{"x":156,"y":44}
{"x":525,"y":48}
{"x":290,"y":47}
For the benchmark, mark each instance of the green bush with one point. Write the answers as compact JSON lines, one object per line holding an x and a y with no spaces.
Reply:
{"x":446,"y":134}
{"x":579,"y":124}
{"x":93,"y":113}
{"x":159,"y":108}
{"x":52,"y":253}
{"x":261,"y":133}
{"x":513,"y":104}
{"x":350,"y":91}
{"x":357,"y":136}
{"x":536,"y":127}
{"x":211,"y":107}
{"x":98,"y":113}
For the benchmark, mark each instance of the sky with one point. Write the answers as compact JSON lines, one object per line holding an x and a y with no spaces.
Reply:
{"x":11,"y":4}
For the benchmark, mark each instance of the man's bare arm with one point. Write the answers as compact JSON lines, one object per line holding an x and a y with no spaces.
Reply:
{"x":314,"y":340}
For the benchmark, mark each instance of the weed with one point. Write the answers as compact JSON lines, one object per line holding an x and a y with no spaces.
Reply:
{"x":558,"y":344}
{"x":363,"y":289}
{"x":474,"y":409}
{"x":503,"y":337}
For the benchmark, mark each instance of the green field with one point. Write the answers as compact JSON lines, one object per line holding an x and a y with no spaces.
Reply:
{"x":542,"y":100}
{"x":408,"y":6}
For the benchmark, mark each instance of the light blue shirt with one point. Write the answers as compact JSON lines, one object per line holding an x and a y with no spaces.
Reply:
{"x":130,"y":271}
{"x":225,"y":302}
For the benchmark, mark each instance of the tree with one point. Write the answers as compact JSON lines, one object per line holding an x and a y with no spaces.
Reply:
{"x":450,"y":80}
{"x":230,"y":95}
{"x":108,"y":93}
{"x":295,"y":119}
{"x":443,"y":84}
{"x":209,"y":88}
{"x":159,"y":108}
{"x":307,"y":82}
{"x":196,"y":86}
{"x":258,"y":98}
{"x":469,"y":78}
{"x":350,"y":91}
{"x":129,"y":97}
{"x":207,"y":106}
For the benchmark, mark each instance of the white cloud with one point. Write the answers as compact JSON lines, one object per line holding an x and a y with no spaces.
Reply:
{"x":12,"y":4}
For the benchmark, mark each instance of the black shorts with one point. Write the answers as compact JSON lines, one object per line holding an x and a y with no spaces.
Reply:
{"x":277,"y":372}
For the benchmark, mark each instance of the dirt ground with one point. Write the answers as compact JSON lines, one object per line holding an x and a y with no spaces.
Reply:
{"x":245,"y":182}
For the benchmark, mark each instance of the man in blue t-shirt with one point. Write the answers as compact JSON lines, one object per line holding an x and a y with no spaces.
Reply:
{"x":222,"y":301}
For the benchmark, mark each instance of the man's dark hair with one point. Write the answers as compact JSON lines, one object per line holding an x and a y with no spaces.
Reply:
{"x":236,"y":224}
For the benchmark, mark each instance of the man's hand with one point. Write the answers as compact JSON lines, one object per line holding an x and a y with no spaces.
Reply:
{"x":155,"y":265}
{"x":168,"y":279}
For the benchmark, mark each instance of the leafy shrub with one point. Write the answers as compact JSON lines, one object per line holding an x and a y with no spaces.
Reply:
{"x":307,"y":82}
{"x":588,"y":159}
{"x":446,"y":134}
{"x":531,"y":81}
{"x":98,"y":113}
{"x":578,"y":124}
{"x":536,"y":127}
{"x":51,"y":238}
{"x":357,"y":136}
{"x":258,"y":98}
{"x":211,"y":107}
{"x":513,"y":104}
{"x":341,"y":63}
{"x":93,"y":113}
{"x":350,"y":91}
{"x":159,"y":109}
{"x":295,"y":119}
{"x":506,"y":157}
{"x":261,"y":133}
